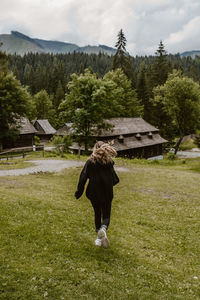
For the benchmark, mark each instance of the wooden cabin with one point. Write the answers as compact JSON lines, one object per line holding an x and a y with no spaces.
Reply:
{"x":44,"y":130}
{"x":65,"y":130}
{"x":25,"y":137}
{"x":133,"y":138}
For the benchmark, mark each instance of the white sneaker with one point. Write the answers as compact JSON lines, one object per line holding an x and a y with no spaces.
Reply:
{"x":104,"y":240}
{"x":98,"y":242}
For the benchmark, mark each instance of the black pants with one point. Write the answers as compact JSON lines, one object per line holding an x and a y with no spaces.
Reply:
{"x":102,"y":211}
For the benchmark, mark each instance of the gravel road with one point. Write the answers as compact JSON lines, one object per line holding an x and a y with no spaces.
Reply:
{"x":188,"y":154}
{"x":48,"y":166}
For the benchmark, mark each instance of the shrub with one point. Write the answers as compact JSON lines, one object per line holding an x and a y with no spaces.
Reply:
{"x":171,"y":156}
{"x":67,"y":141}
{"x":197,"y":139}
{"x":36,"y":140}
{"x":187,"y":145}
{"x":61,"y":143}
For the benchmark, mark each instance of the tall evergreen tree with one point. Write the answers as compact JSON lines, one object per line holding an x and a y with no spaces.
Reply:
{"x":157,"y":75}
{"x":3,"y":61}
{"x":161,"y":68}
{"x":59,"y":96}
{"x":143,"y":92}
{"x":121,"y":59}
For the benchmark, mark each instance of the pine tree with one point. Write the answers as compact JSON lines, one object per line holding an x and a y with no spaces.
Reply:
{"x":121,"y":59}
{"x":161,"y":68}
{"x":143,"y":93}
{"x":3,"y":61}
{"x":59,"y":96}
{"x":121,"y":42}
{"x":157,"y":75}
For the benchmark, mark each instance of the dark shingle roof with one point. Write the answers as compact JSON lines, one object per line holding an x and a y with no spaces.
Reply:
{"x":132,"y":142}
{"x":127,"y":133}
{"x":25,"y":126}
{"x":65,"y":130}
{"x":44,"y":127}
{"x":123,"y":126}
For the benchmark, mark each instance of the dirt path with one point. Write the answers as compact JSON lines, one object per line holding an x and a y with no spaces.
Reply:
{"x":48,"y":166}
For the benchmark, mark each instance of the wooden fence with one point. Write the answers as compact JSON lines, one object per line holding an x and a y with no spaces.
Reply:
{"x":20,"y":152}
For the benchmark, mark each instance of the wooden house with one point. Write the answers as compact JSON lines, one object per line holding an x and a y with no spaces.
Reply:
{"x":65,"y":130}
{"x":25,"y":137}
{"x":44,"y":130}
{"x":133,"y":137}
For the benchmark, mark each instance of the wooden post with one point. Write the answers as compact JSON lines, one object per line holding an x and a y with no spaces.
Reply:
{"x":79,"y":152}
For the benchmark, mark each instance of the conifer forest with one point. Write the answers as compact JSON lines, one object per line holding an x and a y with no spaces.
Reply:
{"x":138,"y":86}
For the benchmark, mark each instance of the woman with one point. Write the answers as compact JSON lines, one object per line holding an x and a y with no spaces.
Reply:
{"x":102,"y":177}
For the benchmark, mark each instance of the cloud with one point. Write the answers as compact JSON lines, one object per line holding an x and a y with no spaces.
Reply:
{"x":187,"y":37}
{"x":145,"y":22}
{"x":157,"y":22}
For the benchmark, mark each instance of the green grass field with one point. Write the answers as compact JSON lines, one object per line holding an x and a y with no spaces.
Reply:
{"x":47,"y":236}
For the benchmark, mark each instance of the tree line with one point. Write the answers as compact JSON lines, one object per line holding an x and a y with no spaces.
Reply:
{"x":85,"y":89}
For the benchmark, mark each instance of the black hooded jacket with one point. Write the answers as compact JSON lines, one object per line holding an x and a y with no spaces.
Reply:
{"x":102,"y":178}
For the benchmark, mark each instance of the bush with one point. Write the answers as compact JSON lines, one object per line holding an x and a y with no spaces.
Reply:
{"x":197,"y":140}
{"x":36,"y":140}
{"x":62,"y":144}
{"x":187,"y":145}
{"x":67,"y":141}
{"x":171,"y":156}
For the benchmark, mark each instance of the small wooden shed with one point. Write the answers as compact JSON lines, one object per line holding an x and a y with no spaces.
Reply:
{"x":44,"y":130}
{"x":26,"y":135}
{"x":65,"y":130}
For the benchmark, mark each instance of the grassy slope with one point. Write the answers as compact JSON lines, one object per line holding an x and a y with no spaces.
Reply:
{"x":47,"y":237}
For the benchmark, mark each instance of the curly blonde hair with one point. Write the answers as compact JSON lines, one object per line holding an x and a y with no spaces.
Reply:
{"x":103,"y":152}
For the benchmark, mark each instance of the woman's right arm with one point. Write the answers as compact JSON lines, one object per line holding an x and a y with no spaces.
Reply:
{"x":82,"y":180}
{"x":114,"y":176}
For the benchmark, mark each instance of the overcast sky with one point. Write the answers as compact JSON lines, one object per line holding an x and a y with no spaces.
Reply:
{"x":83,"y":22}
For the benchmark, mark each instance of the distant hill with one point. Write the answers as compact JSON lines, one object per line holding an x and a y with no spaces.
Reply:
{"x":96,"y":49}
{"x":19,"y":43}
{"x":192,"y":53}
{"x":12,"y":43}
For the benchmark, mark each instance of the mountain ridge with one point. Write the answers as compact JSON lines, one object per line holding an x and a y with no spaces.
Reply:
{"x":192,"y":53}
{"x":19,"y":43}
